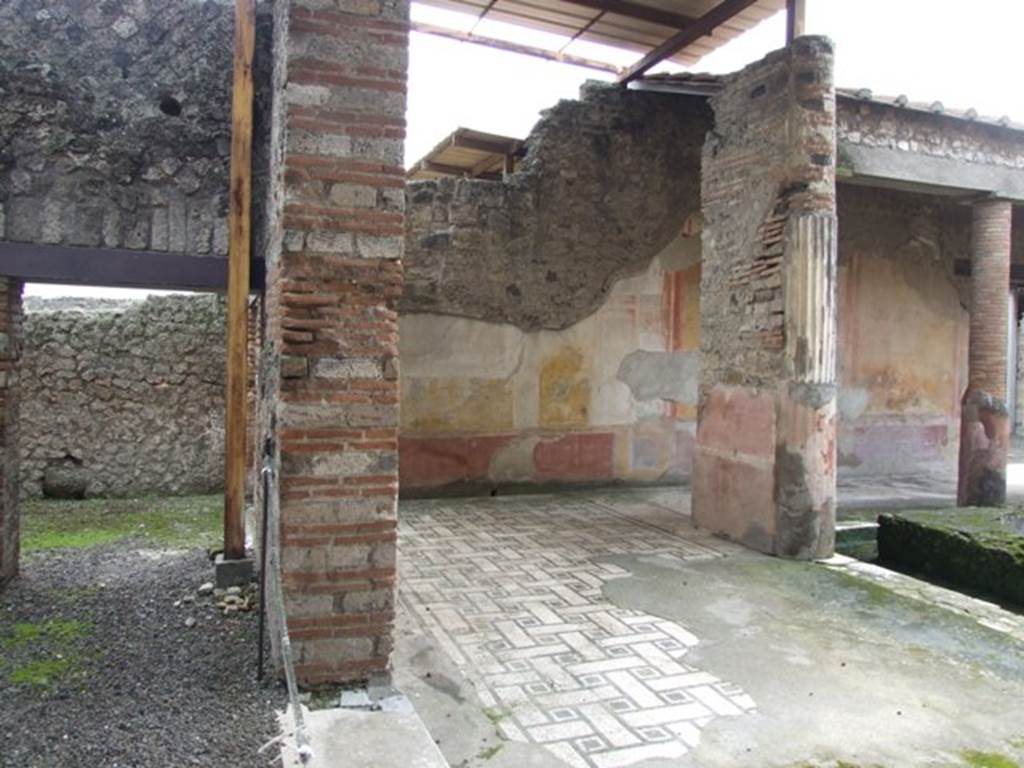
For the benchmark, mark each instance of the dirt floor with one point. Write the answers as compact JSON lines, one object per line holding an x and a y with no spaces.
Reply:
{"x":110,"y":657}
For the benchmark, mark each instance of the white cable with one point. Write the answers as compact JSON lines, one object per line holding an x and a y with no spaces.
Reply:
{"x":275,"y":598}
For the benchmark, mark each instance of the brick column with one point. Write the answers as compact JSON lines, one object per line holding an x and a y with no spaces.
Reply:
{"x":10,"y":357}
{"x":334,"y":279}
{"x":984,"y":421}
{"x":765,"y":464}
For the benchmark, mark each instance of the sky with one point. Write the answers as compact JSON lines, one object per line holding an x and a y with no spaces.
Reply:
{"x":964,"y":55}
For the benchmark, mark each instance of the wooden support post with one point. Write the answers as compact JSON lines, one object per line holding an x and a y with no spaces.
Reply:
{"x":239,"y":253}
{"x":795,"y":19}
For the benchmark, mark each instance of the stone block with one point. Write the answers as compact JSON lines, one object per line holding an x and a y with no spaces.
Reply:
{"x":233,"y":573}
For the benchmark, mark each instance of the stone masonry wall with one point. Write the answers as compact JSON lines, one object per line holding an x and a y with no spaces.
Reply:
{"x":10,"y":352}
{"x":549,"y":328}
{"x":115,"y":122}
{"x":125,"y":399}
{"x":871,"y":124}
{"x":606,"y":184}
{"x":330,"y":370}
{"x":764,"y":471}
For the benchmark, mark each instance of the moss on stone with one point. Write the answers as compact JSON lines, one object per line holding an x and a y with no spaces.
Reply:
{"x":977,"y":759}
{"x":971,"y":548}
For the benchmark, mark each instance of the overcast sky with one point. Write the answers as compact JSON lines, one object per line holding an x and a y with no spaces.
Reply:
{"x":962,"y":55}
{"x":932,"y":50}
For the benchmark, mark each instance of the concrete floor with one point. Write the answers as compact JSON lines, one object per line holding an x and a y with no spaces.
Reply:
{"x":601,"y":629}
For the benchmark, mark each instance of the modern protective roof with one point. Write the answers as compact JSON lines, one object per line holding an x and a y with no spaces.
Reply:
{"x":469,"y":153}
{"x":632,"y":25}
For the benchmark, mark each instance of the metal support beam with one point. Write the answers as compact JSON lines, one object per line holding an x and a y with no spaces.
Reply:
{"x":705,"y":25}
{"x":796,"y":21}
{"x":240,"y":252}
{"x":505,"y":45}
{"x":638,"y":12}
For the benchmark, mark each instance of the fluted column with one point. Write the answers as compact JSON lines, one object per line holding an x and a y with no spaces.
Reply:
{"x":984,"y":421}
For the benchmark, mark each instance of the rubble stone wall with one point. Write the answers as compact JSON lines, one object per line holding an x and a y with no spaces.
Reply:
{"x":607,"y":183}
{"x":871,"y":124}
{"x":124,"y":398}
{"x":549,"y":333}
{"x":10,"y":352}
{"x":115,"y":122}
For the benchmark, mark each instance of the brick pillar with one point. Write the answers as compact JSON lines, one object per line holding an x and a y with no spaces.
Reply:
{"x":10,"y":357}
{"x":334,"y":279}
{"x":984,"y":421}
{"x":765,"y":464}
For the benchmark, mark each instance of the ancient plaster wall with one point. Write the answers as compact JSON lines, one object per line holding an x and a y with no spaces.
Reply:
{"x":115,"y":122}
{"x":488,"y":406}
{"x":556,"y":343}
{"x":903,"y":323}
{"x":125,"y":399}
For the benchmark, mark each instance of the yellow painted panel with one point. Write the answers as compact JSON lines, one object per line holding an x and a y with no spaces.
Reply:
{"x":564,"y":390}
{"x":457,"y":405}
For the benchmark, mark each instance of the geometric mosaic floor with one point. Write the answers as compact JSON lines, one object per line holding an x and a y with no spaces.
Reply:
{"x":510,"y":588}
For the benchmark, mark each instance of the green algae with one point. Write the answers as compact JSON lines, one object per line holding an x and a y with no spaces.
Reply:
{"x":975,"y":549}
{"x":977,"y":759}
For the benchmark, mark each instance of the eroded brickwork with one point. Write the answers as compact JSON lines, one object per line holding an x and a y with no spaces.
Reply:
{"x":330,"y":362}
{"x":765,"y":464}
{"x":10,"y":354}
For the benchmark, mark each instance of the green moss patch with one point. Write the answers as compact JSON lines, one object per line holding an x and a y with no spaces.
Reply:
{"x":988,"y":760}
{"x":975,"y":549}
{"x":42,"y":654}
{"x":182,"y":521}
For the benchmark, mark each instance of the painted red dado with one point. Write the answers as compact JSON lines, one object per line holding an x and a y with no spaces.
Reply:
{"x":583,"y":457}
{"x":577,"y":457}
{"x":879,"y":448}
{"x":739,"y":421}
{"x":433,"y":462}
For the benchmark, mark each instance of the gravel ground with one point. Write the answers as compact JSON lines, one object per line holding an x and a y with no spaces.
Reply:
{"x":98,"y":667}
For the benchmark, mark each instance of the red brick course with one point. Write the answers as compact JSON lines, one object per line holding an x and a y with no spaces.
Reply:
{"x":984,"y":422}
{"x":332,"y":324}
{"x":990,"y":280}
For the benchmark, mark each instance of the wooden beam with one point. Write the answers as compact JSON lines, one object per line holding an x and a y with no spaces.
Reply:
{"x":505,"y":45}
{"x":796,"y":13}
{"x":239,"y":254}
{"x":484,"y":145}
{"x":638,"y":12}
{"x":119,"y":268}
{"x":705,"y":25}
{"x":510,"y":164}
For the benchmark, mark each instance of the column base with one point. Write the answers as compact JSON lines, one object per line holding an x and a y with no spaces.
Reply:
{"x":232,"y":573}
{"x":984,"y":445}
